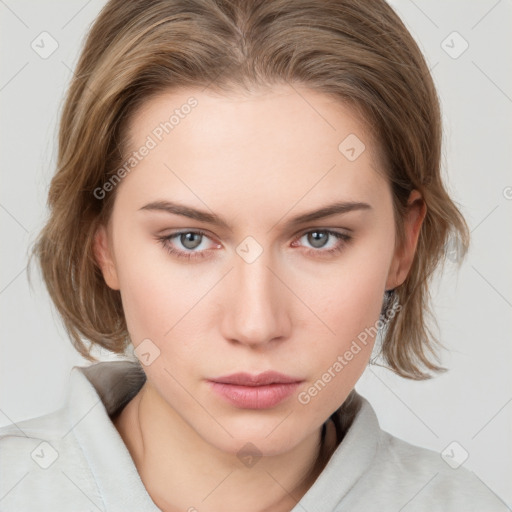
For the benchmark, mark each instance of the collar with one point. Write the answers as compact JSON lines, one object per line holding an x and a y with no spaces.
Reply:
{"x":99,"y":391}
{"x":92,"y":397}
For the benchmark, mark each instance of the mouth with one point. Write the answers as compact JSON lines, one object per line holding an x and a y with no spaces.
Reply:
{"x":261,"y":391}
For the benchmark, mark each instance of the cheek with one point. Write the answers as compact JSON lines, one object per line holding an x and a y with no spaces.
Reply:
{"x":352,"y":296}
{"x":160,"y":307}
{"x":337,"y":361}
{"x":165,"y":303}
{"x":350,"y":303}
{"x":155,"y":294}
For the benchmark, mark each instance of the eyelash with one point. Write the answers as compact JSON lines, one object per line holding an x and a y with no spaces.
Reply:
{"x":192,"y":255}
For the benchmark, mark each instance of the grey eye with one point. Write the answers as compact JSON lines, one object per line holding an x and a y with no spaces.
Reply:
{"x":317,"y":238}
{"x":191,"y":240}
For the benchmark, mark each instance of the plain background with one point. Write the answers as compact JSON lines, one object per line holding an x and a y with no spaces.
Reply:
{"x":471,"y":404}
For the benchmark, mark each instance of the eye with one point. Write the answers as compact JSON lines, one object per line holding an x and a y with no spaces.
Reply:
{"x":319,"y":238}
{"x":189,"y":240}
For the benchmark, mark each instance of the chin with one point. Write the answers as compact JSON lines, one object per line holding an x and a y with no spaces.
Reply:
{"x":265,"y":437}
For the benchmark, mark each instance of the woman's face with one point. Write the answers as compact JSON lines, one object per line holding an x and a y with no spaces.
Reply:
{"x":256,"y":281}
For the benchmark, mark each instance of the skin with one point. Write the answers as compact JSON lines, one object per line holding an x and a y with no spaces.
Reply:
{"x":257,"y":160}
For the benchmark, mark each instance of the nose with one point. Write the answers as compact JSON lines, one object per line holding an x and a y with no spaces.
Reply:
{"x":256,"y":313}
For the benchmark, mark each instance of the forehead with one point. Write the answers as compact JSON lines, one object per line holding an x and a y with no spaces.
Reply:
{"x":275,"y":144}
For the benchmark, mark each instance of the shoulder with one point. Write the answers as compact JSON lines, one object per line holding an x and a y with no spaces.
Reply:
{"x":17,"y":438}
{"x":425,"y":480}
{"x":41,"y":462}
{"x":69,"y":455}
{"x":398,"y":475}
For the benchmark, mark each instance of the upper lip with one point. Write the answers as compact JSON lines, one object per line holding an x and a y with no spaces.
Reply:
{"x":261,"y":379}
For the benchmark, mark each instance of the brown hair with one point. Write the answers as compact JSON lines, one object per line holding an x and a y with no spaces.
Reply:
{"x":358,"y":52}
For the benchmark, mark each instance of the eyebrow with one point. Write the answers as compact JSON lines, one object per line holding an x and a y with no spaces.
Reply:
{"x":339,"y":208}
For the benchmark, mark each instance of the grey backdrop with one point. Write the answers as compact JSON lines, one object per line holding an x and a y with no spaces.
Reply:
{"x":468,"y":47}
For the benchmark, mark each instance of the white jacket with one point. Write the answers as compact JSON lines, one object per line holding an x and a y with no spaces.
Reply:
{"x":75,"y":460}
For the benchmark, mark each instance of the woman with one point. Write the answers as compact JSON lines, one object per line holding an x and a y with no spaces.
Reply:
{"x":247,"y":193}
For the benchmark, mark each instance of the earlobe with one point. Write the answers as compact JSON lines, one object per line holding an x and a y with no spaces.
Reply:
{"x":404,"y":256}
{"x":104,"y":259}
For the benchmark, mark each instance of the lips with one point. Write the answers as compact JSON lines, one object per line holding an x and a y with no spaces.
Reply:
{"x":261,"y":379}
{"x":261,"y":391}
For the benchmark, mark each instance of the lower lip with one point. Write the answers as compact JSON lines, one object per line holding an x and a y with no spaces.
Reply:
{"x":254,"y":397}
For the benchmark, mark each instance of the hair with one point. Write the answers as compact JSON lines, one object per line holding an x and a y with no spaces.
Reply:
{"x":357,"y":52}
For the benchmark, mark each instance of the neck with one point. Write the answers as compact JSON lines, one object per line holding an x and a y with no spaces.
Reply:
{"x":181,"y":471}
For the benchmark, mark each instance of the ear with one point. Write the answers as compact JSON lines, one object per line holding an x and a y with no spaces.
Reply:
{"x":404,"y":255}
{"x":103,"y":255}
